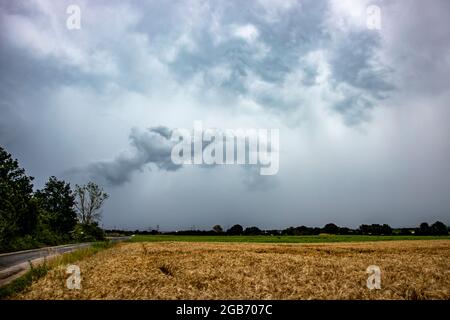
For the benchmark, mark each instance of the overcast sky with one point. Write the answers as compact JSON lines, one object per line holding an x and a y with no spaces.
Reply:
{"x":363,"y":113}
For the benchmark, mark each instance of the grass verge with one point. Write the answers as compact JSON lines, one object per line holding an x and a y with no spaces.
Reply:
{"x":38,"y":271}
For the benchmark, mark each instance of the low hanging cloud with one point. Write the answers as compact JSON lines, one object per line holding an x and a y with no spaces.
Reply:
{"x":152,"y":146}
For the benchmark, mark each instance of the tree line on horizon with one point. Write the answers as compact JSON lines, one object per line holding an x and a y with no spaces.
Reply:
{"x":424,"y":229}
{"x":53,"y":215}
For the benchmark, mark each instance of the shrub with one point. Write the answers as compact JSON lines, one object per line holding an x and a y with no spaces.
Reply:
{"x":86,"y":232}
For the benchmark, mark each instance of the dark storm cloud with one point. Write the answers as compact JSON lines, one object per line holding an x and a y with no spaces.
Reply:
{"x":296,"y":32}
{"x":365,"y":111}
{"x":353,"y":62}
{"x":354,"y":109}
{"x":277,"y":49}
{"x":152,"y":146}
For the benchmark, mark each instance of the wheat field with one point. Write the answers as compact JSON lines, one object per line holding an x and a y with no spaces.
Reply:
{"x":181,"y":270}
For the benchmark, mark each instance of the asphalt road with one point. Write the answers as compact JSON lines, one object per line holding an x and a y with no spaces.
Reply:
{"x":14,"y":258}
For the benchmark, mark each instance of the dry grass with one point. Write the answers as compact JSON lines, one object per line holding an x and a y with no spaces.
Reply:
{"x":177,"y":270}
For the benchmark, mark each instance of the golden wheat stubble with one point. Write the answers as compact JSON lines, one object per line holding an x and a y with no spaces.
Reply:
{"x":181,"y":270}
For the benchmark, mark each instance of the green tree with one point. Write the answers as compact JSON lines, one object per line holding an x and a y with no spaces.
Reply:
{"x":424,"y":229}
{"x":217,"y":228}
{"x":56,"y":201}
{"x":252,"y":231}
{"x":18,"y":212}
{"x":375,"y":229}
{"x":439,"y":229}
{"x":331,"y":228}
{"x":235,"y":230}
{"x":386,"y":229}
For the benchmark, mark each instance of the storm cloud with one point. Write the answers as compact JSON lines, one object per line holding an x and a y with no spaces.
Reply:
{"x":152,"y":146}
{"x":363,"y":113}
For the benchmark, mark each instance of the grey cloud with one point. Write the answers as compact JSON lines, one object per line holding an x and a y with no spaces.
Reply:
{"x":56,"y":115}
{"x":354,"y":109}
{"x":152,"y":146}
{"x":295,"y":33}
{"x":353,"y":62}
{"x":299,"y":31}
{"x":163,"y":131}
